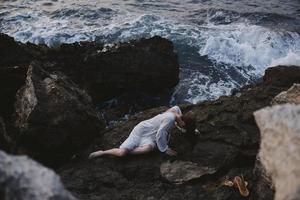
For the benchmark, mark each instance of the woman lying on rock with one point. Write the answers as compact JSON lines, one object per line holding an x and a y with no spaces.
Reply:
{"x":150,"y":134}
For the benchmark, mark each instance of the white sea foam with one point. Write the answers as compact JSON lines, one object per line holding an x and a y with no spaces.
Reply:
{"x":292,"y":58}
{"x":249,"y":45}
{"x":199,"y":87}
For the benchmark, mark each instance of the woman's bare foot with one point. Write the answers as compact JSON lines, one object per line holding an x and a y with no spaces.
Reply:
{"x":95,"y":154}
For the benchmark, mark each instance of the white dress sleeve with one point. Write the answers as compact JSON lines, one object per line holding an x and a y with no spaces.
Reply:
{"x":162,"y":136}
{"x":177,"y":109}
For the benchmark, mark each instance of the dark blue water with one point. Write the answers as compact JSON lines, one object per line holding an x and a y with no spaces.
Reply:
{"x":222,"y":44}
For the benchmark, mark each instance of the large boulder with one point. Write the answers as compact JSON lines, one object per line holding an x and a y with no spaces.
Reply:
{"x":24,"y":179}
{"x":12,"y":72}
{"x":55,"y":118}
{"x":15,"y":59}
{"x":137,"y":73}
{"x":280,"y":148}
{"x":282,"y":76}
{"x":145,"y":65}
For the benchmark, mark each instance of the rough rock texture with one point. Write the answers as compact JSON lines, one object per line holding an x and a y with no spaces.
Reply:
{"x":140,"y":73}
{"x":292,"y":95}
{"x":282,"y":77}
{"x":227,"y":141}
{"x":263,"y":187}
{"x":24,"y":179}
{"x":105,"y":71}
{"x":148,"y":65}
{"x":4,"y":139}
{"x":54,"y":116}
{"x":12,"y":72}
{"x":280,"y":148}
{"x":182,"y":171}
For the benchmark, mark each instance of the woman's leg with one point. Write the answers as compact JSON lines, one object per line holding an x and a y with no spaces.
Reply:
{"x":142,"y":149}
{"x":112,"y":152}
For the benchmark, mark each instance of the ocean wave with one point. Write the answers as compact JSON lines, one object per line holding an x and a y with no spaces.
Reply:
{"x":248,"y":45}
{"x":200,"y":87}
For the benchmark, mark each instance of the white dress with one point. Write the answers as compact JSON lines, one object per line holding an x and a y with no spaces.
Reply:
{"x":152,"y":132}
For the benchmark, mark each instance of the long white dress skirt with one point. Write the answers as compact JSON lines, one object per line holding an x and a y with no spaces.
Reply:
{"x":152,"y":132}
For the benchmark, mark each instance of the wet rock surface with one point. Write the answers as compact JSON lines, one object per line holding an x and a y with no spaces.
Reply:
{"x":55,"y":118}
{"x":279,"y":150}
{"x":24,"y":179}
{"x":227,"y":139}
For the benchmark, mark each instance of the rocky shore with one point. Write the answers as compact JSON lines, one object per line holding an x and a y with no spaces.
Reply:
{"x":50,"y":95}
{"x":48,"y":112}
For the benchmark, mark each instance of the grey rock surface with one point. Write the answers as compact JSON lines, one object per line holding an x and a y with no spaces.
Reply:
{"x":24,"y":179}
{"x":280,"y":148}
{"x":182,"y":171}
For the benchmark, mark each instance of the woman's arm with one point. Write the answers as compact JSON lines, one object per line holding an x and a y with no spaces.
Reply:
{"x":162,"y":137}
{"x":179,"y":120}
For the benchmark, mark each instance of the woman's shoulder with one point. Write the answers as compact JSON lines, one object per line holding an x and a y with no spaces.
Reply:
{"x":177,"y":109}
{"x":170,"y":116}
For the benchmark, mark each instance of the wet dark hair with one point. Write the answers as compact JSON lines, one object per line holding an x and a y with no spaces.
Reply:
{"x":189,"y":119}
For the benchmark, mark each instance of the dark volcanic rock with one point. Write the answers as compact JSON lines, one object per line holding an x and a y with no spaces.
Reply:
{"x":227,"y":140}
{"x":12,"y":72}
{"x":263,"y":189}
{"x":24,"y":179}
{"x":55,"y":117}
{"x":4,"y":139}
{"x":146,"y":65}
{"x":15,"y":59}
{"x":149,"y":65}
{"x":134,"y":71}
{"x":282,"y":77}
